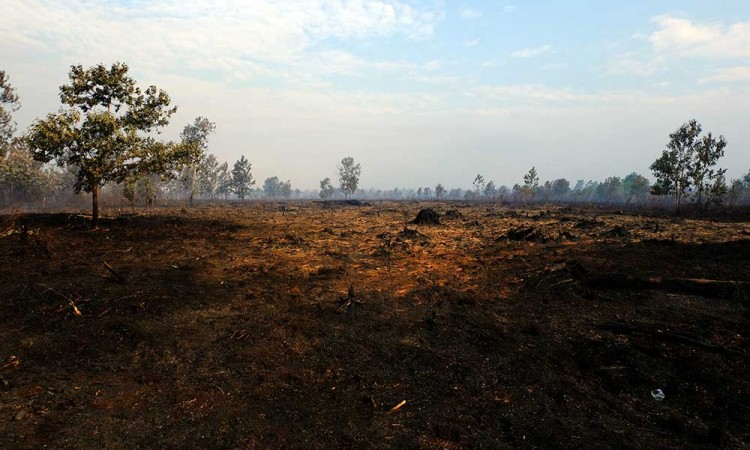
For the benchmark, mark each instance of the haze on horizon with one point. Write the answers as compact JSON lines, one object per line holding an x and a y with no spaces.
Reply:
{"x":419,"y":92}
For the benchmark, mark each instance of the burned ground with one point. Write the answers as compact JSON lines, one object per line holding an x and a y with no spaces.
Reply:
{"x":304,"y":326}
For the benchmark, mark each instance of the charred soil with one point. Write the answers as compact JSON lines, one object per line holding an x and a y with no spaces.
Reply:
{"x":321,"y":326}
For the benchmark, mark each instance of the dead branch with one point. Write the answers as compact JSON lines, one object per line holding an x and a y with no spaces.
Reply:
{"x":115,"y":273}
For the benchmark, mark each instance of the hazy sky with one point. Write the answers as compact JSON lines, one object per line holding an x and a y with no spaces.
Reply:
{"x":420,"y":91}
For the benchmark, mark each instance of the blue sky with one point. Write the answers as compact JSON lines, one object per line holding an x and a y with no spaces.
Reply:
{"x":420,"y":92}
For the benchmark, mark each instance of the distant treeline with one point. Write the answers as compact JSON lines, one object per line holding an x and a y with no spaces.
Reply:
{"x":104,"y":143}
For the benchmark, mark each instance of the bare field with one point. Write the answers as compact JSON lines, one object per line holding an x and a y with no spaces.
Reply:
{"x":299,"y":325}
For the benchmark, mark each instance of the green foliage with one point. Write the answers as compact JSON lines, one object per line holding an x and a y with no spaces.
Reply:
{"x":274,"y":188}
{"x":439,"y":191}
{"x":635,"y":185}
{"x":8,"y":104}
{"x":21,"y":177}
{"x":560,"y":187}
{"x":141,"y":189}
{"x":242,"y":178}
{"x":531,"y":179}
{"x":326,"y":188}
{"x":194,"y":139}
{"x":208,"y":176}
{"x":687,"y":165}
{"x":489,"y":190}
{"x":224,"y":180}
{"x":349,"y":176}
{"x":530,"y":183}
{"x":610,"y":189}
{"x":105,"y":131}
{"x":479,"y":185}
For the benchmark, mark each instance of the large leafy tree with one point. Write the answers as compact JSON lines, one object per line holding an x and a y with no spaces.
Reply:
{"x":349,"y":176}
{"x":687,"y":163}
{"x":107,"y":130}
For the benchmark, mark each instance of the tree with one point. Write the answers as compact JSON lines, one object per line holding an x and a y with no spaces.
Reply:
{"x":326,"y":188}
{"x":490,"y":191}
{"x":610,"y":189}
{"x":273,"y":187}
{"x":141,"y":188}
{"x":208,"y":176}
{"x":105,"y":132}
{"x":687,"y":163}
{"x":530,"y":183}
{"x":286,"y":189}
{"x":439,"y":191}
{"x":708,"y":181}
{"x":349,"y":176}
{"x":8,"y":105}
{"x":635,"y":185}
{"x":427,"y":192}
{"x":224,"y":180}
{"x":531,"y":179}
{"x":21,"y":177}
{"x":479,"y":185}
{"x":560,"y":187}
{"x":242,"y":178}
{"x":195,"y":137}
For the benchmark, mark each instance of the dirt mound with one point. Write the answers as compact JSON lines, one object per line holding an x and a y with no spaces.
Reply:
{"x":409,"y":233}
{"x":529,"y":234}
{"x":617,"y":231}
{"x":453,"y":214}
{"x":427,"y":216}
{"x":587,"y":224}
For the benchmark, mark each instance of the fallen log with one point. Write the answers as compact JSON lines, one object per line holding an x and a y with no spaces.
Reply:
{"x":690,"y":286}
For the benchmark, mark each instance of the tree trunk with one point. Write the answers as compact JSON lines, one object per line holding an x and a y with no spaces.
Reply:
{"x":95,"y":206}
{"x":193,"y":172}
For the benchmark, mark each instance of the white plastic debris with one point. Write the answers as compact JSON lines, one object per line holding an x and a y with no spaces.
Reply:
{"x":657,"y":394}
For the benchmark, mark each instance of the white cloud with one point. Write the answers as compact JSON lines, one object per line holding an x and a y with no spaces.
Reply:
{"x":233,"y":37}
{"x":729,"y":75}
{"x":473,"y":42}
{"x":469,"y":13}
{"x":531,"y":52}
{"x":683,"y":37}
{"x":507,"y":9}
{"x":632,"y":63}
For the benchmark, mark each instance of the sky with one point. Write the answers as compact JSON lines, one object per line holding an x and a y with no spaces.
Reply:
{"x":419,"y":92}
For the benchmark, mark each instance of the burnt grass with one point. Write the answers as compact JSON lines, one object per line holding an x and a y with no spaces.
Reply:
{"x":253,"y":326}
